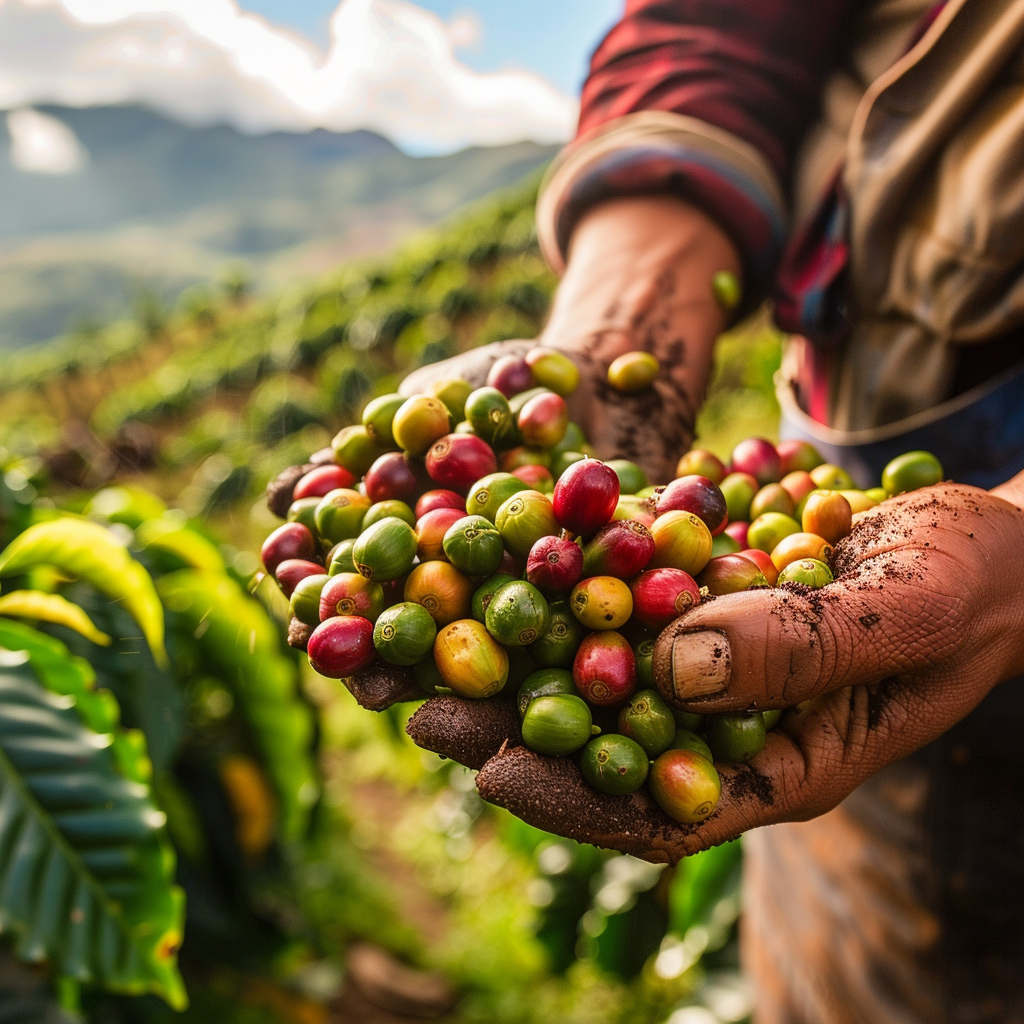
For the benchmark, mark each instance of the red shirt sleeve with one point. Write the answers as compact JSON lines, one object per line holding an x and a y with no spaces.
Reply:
{"x":751,"y":67}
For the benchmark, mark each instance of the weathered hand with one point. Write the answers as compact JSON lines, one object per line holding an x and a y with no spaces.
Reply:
{"x":925,"y":618}
{"x":652,"y":428}
{"x":638,"y":277}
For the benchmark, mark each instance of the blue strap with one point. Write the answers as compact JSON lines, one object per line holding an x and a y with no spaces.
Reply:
{"x":981,"y":443}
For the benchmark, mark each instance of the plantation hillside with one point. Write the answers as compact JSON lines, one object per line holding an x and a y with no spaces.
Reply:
{"x":206,"y":402}
{"x":313,"y":863}
{"x":155,"y":206}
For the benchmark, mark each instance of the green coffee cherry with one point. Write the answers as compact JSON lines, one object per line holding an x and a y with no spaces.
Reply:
{"x":557,"y":647}
{"x":485,"y":592}
{"x":305,"y":600}
{"x":404,"y":633}
{"x":378,"y":416}
{"x":557,"y":725}
{"x":391,"y":509}
{"x":686,"y":740}
{"x":545,"y":682}
{"x":911,"y":471}
{"x":385,"y":551}
{"x":648,"y":720}
{"x":735,"y":738}
{"x":340,"y":557}
{"x":808,"y":571}
{"x":725,"y":287}
{"x":518,"y":614}
{"x":614,"y":764}
{"x":473,"y":545}
{"x":303,"y":510}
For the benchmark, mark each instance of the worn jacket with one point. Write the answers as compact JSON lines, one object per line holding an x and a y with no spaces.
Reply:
{"x":865,"y":158}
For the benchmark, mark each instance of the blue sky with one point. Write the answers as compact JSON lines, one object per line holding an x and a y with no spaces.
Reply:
{"x":551,"y":37}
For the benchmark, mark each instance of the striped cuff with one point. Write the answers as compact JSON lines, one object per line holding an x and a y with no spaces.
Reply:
{"x":661,"y":152}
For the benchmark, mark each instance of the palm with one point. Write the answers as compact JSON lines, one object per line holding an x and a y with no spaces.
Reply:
{"x":871,"y":669}
{"x":652,"y":428}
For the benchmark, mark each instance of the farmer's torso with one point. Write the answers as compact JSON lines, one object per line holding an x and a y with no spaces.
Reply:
{"x":908,"y":272}
{"x":906,"y":903}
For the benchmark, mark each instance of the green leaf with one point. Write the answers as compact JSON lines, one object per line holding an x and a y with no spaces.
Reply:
{"x":191,"y":548}
{"x":125,"y":504}
{"x":92,"y":553}
{"x":85,"y":872}
{"x":240,"y":644}
{"x":150,"y":698}
{"x":701,"y":881}
{"x":31,"y":604}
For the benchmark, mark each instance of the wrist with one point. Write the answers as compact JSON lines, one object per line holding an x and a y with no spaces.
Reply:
{"x":639,"y":276}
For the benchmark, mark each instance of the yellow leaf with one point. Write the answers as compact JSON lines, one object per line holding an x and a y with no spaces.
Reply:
{"x":31,"y":604}
{"x":89,"y":552}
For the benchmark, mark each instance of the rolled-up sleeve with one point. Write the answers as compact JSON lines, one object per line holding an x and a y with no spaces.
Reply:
{"x":705,"y":99}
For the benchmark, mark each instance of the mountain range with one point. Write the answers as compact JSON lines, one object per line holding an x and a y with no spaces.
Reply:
{"x":158,"y":206}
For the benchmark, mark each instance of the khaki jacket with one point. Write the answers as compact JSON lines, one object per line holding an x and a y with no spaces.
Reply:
{"x":933,"y":146}
{"x":931,"y":139}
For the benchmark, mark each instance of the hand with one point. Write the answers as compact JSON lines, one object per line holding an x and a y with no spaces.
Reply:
{"x":924,"y":619}
{"x":638,"y":277}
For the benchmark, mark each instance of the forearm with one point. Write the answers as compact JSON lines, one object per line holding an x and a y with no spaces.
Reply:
{"x":639,"y":277}
{"x":753,"y":69}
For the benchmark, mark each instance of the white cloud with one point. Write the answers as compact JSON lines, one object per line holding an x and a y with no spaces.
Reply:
{"x":391,"y":67}
{"x":41,"y":144}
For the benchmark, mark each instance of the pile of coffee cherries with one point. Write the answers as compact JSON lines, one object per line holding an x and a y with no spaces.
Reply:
{"x":470,"y":534}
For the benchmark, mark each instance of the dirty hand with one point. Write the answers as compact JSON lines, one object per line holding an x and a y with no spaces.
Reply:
{"x":638,"y":277}
{"x":924,"y":619}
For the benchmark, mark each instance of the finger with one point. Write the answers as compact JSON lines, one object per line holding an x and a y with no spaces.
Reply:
{"x":467,"y":731}
{"x":824,"y":750}
{"x":322,"y":457}
{"x":549,"y":793}
{"x":773,"y":648}
{"x":472,"y":366}
{"x":821,"y":753}
{"x":381,"y":685}
{"x":299,"y":633}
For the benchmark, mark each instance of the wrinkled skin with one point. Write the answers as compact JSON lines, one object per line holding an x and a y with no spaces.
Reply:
{"x":922,"y":622}
{"x":639,"y":277}
{"x":924,"y":619}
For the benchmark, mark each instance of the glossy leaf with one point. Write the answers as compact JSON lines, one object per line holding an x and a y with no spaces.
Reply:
{"x":126,"y":504}
{"x":188,"y":546}
{"x":239,"y":643}
{"x":91,"y":553}
{"x":150,"y":697}
{"x":85,"y":872}
{"x":40,"y":607}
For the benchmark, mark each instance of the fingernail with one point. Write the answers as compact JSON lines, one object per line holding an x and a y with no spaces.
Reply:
{"x":701,"y":664}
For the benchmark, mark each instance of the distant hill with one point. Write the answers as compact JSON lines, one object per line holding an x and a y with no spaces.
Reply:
{"x":161,"y":206}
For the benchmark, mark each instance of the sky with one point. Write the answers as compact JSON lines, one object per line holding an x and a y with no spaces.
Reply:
{"x":552,"y":37}
{"x":433,"y":75}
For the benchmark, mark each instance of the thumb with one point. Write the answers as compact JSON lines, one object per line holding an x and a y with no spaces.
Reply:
{"x":776,"y":648}
{"x":472,"y":365}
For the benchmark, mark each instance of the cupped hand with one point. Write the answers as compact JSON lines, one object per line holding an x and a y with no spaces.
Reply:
{"x":924,"y":619}
{"x":638,"y":277}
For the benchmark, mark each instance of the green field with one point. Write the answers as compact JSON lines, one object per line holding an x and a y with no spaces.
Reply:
{"x":301,"y":824}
